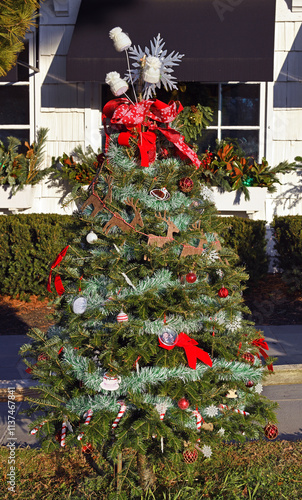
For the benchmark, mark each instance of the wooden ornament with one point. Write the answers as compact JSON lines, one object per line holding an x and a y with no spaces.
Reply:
{"x":160,"y":241}
{"x":231,"y":394}
{"x":117,"y":220}
{"x":96,"y":202}
{"x":207,"y":426}
{"x":190,"y":249}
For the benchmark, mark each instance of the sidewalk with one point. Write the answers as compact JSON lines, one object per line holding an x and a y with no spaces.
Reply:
{"x":285,"y":386}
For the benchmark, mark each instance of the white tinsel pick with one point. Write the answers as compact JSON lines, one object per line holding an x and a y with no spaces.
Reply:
{"x":121,"y":41}
{"x":211,"y":411}
{"x":207,"y":451}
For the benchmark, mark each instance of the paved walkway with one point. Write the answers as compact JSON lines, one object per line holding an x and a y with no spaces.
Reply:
{"x":285,"y":387}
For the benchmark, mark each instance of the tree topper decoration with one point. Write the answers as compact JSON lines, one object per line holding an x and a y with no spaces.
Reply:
{"x":166,"y":62}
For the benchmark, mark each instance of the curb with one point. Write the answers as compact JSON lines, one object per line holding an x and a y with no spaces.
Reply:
{"x":21,"y":389}
{"x":284,"y":375}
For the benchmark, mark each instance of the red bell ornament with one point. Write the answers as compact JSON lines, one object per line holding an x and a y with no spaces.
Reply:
{"x":223,"y":292}
{"x":271,"y":431}
{"x":186,"y":184}
{"x":191,"y":277}
{"x":183,"y":404}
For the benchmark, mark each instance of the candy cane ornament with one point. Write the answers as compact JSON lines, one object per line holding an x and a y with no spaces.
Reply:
{"x":119,"y":415}
{"x":236,"y":410}
{"x":88,"y":415}
{"x":63,"y":432}
{"x":36,"y":429}
{"x":199,"y":419}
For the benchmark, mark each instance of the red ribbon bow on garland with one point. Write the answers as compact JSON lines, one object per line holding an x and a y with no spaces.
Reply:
{"x":123,"y":114}
{"x":261,"y":344}
{"x":192,"y":352}
{"x":57,"y":281}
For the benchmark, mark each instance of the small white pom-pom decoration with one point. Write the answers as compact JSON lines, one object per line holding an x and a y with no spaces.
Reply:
{"x":91,"y":237}
{"x":121,"y":41}
{"x":121,"y":317}
{"x":116,"y":84}
{"x":152,"y":70}
{"x":80,"y":305}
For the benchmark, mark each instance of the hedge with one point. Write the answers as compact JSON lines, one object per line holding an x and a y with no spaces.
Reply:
{"x":247,"y":238}
{"x":29,"y":244}
{"x":288,"y":244}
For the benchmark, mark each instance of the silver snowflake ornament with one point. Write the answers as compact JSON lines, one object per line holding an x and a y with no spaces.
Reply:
{"x":167,"y":61}
{"x":211,"y":411}
{"x":207,"y":451}
{"x":258,"y":388}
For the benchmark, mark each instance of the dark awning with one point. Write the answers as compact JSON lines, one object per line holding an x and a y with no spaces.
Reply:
{"x":223,"y":40}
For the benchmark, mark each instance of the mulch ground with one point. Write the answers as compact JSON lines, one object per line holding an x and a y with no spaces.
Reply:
{"x":270,"y":303}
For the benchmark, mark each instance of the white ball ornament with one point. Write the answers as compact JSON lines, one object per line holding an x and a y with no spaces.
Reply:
{"x":80,"y":305}
{"x":152,"y":70}
{"x":116,"y":84}
{"x":91,"y":237}
{"x":121,"y":317}
{"x":121,"y":41}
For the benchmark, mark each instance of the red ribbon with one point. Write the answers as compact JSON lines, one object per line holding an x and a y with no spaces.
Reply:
{"x":122,"y":113}
{"x":192,"y":352}
{"x":57,"y":281}
{"x":261,"y":344}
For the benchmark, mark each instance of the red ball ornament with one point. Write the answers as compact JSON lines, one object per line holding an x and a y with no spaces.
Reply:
{"x":121,"y":317}
{"x":271,"y":431}
{"x":249,"y":383}
{"x":190,"y":456}
{"x":183,"y":404}
{"x":87,"y":448}
{"x":186,"y":184}
{"x":248,"y":356}
{"x":223,"y":292}
{"x":191,"y":277}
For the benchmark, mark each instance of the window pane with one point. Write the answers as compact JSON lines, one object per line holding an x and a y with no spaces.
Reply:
{"x":240,"y":104}
{"x":248,"y":140}
{"x":207,"y":141}
{"x":14,"y":105}
{"x":22,"y":135}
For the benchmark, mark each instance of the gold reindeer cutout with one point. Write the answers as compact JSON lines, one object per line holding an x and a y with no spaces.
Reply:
{"x":190,"y":249}
{"x":116,"y":220}
{"x":96,"y":202}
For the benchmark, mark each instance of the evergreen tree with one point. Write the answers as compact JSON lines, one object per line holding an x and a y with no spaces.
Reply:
{"x":151,"y":351}
{"x":16,"y":17}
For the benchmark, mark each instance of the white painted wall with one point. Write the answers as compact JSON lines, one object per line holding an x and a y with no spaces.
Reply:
{"x":67,"y":110}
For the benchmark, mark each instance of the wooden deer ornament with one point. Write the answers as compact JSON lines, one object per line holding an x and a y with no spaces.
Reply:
{"x":159,"y":241}
{"x":190,"y":249}
{"x":116,"y":219}
{"x":98,"y":205}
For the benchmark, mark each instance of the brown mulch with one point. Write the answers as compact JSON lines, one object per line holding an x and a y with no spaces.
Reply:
{"x":270,"y":303}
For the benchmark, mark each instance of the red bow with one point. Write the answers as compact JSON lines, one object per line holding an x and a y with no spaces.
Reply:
{"x":57,"y":281}
{"x":122,"y":113}
{"x":261,"y":344}
{"x":193,"y":353}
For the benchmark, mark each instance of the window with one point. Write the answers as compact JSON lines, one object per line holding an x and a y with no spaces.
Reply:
{"x":15,"y":99}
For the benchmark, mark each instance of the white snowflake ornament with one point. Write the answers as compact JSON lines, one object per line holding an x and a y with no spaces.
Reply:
{"x":221,"y":431}
{"x":166,"y":62}
{"x":207,"y":451}
{"x":211,"y":411}
{"x":258,"y":388}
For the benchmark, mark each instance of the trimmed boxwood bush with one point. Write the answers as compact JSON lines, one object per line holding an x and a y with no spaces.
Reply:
{"x":29,"y":244}
{"x":247,"y":238}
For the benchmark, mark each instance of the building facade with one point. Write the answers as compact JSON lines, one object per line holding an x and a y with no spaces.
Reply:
{"x":254,"y":86}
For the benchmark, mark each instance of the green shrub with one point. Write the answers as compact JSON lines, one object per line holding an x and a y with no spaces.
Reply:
{"x":288,"y":244}
{"x":247,"y":238}
{"x":28,"y":246}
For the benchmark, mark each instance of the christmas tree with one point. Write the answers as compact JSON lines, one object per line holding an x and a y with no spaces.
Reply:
{"x":151,"y":352}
